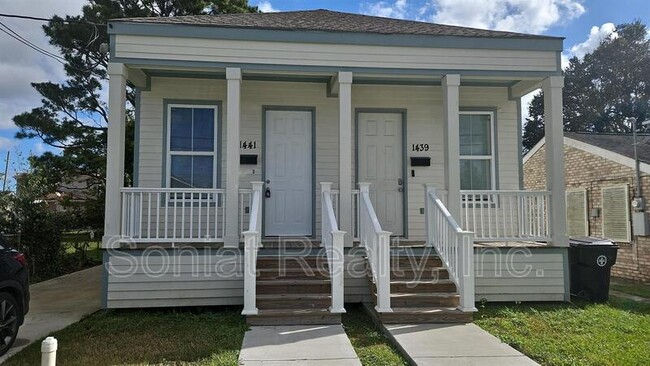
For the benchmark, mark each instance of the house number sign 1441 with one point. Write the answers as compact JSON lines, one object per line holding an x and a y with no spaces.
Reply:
{"x":420,"y":147}
{"x":248,"y":145}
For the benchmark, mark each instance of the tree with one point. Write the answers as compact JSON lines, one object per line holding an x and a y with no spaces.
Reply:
{"x":73,"y":116}
{"x":603,"y":90}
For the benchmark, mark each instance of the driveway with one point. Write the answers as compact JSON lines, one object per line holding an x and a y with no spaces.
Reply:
{"x":57,"y":303}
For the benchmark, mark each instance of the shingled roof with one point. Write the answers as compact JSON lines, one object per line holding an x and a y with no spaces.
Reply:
{"x":618,"y":143}
{"x":328,"y":21}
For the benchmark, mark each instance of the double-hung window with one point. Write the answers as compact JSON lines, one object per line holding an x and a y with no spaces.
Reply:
{"x":476,"y":151}
{"x":192,"y":146}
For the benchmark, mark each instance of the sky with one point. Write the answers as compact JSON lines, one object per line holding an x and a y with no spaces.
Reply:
{"x":584,"y":23}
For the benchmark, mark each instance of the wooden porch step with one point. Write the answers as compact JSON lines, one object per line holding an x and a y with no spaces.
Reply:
{"x":269,"y":243}
{"x":294,"y":286}
{"x":415,"y":300}
{"x":408,"y":286}
{"x":294,"y":317}
{"x":415,"y":262}
{"x":425,"y":315}
{"x":410,"y":274}
{"x":288,"y":261}
{"x":290,"y":273}
{"x":293,"y":301}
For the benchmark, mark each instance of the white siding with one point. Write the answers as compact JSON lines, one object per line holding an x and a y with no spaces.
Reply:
{"x":521,"y":274}
{"x":211,"y":279}
{"x":135,"y":280}
{"x":423,"y":125}
{"x":207,"y":279}
{"x":333,"y":55}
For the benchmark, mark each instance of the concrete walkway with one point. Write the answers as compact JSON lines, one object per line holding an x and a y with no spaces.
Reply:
{"x":297,"y":345}
{"x":57,"y":303}
{"x":454,"y":344}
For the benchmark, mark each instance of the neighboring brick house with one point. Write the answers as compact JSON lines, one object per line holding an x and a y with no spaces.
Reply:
{"x":600,"y":179}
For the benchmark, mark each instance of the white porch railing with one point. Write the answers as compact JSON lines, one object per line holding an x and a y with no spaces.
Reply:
{"x":377,"y":245}
{"x":332,"y":240}
{"x":506,"y":215}
{"x":173,"y":214}
{"x":355,"y":210}
{"x":252,"y":242}
{"x":245,"y":203}
{"x":454,"y":246}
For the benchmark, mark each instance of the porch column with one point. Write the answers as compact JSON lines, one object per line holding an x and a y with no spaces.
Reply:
{"x":115,"y":153}
{"x":233,"y":111}
{"x":555,"y":177}
{"x":345,"y":154}
{"x":450,"y":110}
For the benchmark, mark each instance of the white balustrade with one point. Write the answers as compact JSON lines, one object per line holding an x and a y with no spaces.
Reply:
{"x":377,"y":244}
{"x":252,"y":242}
{"x":506,"y":215}
{"x":454,"y":246}
{"x":332,"y":239}
{"x":178,"y":215}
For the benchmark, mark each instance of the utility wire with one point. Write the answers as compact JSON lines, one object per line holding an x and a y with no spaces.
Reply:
{"x":25,"y":41}
{"x":11,"y":33}
{"x":47,"y":19}
{"x":22,"y":40}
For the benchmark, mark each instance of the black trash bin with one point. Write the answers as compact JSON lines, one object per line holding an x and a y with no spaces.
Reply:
{"x":590,"y":265}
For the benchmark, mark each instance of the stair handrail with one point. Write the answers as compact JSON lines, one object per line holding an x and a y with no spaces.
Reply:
{"x":252,"y":242}
{"x":332,"y":239}
{"x":454,"y":246}
{"x":377,"y":244}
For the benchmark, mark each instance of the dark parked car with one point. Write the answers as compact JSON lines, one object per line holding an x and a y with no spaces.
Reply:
{"x":14,"y":294}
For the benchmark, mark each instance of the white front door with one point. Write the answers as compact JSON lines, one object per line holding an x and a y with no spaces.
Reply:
{"x":288,"y":173}
{"x":381,"y":164}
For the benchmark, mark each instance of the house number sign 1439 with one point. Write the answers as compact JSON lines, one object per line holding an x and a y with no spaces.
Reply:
{"x":248,"y":145}
{"x":420,"y":147}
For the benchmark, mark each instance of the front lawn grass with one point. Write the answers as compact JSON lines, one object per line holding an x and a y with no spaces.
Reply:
{"x":370,"y":344}
{"x":617,"y":333}
{"x":160,"y":337}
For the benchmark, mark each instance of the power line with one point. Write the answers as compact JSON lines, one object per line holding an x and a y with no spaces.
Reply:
{"x":11,"y":33}
{"x":27,"y":17}
{"x":25,"y":41}
{"x":22,"y":40}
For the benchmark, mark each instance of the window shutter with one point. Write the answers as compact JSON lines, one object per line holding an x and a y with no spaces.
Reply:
{"x":576,"y":213}
{"x":616,"y":213}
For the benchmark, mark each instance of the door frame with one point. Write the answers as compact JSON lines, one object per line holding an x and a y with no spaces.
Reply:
{"x":312,"y":110}
{"x":403,"y":112}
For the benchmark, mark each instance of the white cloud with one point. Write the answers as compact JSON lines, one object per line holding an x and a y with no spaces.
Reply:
{"x":6,"y":144}
{"x":528,"y":16}
{"x":266,"y":7}
{"x":596,"y":36}
{"x":525,"y":103}
{"x":22,"y":65}
{"x":386,"y":9}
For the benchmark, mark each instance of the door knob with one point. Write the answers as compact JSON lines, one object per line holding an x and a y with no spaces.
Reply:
{"x":267,"y":193}
{"x":268,"y":181}
{"x":400,"y":189}
{"x":400,"y":181}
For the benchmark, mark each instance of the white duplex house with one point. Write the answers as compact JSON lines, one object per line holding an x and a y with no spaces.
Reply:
{"x":379,"y":139}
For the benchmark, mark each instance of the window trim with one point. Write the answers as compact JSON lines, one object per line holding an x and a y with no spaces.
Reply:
{"x":492,"y":139}
{"x":215,"y":153}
